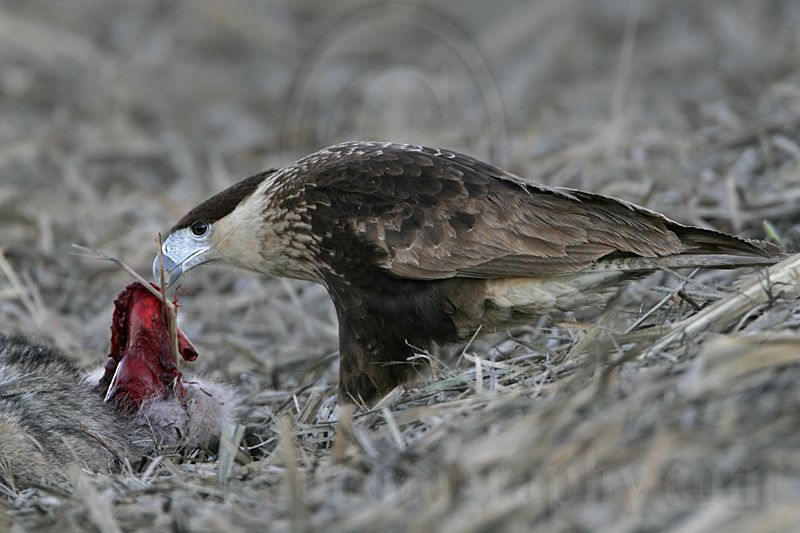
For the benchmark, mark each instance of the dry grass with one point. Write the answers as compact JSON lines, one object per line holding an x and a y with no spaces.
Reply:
{"x":116,"y":118}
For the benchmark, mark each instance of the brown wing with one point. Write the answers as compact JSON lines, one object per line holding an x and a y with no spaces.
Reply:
{"x":438,"y":214}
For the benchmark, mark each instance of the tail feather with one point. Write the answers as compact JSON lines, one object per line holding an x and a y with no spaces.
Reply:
{"x":686,"y":260}
{"x":706,"y":242}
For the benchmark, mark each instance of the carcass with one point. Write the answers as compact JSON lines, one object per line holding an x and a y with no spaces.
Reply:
{"x":52,"y":414}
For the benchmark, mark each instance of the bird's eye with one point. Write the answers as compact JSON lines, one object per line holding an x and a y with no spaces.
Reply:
{"x":199,"y":228}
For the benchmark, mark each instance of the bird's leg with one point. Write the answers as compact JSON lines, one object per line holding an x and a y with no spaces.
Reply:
{"x":384,"y":322}
{"x":370,"y":367}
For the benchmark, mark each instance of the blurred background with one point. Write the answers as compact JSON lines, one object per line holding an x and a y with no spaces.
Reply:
{"x":115,"y":118}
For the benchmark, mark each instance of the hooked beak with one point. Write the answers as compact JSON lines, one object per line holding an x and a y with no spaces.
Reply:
{"x":172,"y":270}
{"x":180,"y":255}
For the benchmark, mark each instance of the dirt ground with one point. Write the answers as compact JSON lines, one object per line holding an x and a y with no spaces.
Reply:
{"x":679,"y":409}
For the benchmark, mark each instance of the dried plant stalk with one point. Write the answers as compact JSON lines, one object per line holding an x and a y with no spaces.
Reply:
{"x":170,"y":310}
{"x":757,"y":289}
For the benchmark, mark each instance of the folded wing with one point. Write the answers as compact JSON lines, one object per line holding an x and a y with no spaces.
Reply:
{"x":435,"y":214}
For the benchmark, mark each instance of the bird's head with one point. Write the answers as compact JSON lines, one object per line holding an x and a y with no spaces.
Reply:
{"x":225,"y":229}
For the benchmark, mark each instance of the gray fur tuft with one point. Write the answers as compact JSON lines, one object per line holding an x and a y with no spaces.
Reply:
{"x":52,"y":415}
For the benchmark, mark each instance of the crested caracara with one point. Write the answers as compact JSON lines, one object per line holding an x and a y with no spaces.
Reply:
{"x":419,"y":245}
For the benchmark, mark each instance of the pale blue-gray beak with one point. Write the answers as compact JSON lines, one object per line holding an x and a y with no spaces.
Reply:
{"x":172,"y":270}
{"x":182,"y":251}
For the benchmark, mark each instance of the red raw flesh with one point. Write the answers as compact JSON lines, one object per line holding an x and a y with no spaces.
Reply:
{"x":142,"y":363}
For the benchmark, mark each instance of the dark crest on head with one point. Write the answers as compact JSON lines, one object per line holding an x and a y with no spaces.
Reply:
{"x":221,"y":204}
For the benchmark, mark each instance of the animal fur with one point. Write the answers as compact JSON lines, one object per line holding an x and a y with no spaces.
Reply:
{"x":52,"y":415}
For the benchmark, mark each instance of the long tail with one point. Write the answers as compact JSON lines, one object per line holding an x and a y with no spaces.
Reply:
{"x":707,"y":242}
{"x":687,"y":260}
